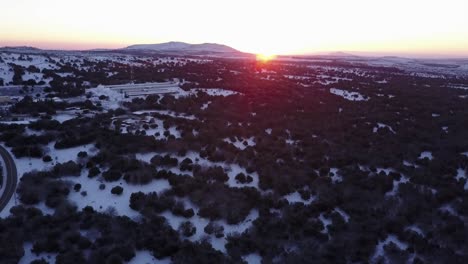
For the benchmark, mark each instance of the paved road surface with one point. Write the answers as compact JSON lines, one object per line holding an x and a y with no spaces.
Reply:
{"x":10,"y":179}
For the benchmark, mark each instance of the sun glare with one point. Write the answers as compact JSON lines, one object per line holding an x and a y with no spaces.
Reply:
{"x":265,"y":57}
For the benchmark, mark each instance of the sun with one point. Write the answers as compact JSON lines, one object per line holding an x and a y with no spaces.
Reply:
{"x":265,"y":57}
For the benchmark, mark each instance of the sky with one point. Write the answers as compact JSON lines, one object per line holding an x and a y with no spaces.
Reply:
{"x":397,"y":27}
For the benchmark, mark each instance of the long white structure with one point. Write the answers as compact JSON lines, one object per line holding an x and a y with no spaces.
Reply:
{"x":140,"y":89}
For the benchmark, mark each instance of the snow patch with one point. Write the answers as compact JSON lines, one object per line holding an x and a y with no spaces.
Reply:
{"x":381,"y":125}
{"x":426,"y":154}
{"x":335,"y":177}
{"x":114,"y":98}
{"x":295,"y":197}
{"x":241,"y":143}
{"x":167,"y":113}
{"x":29,"y":256}
{"x":416,"y":229}
{"x":200,"y":223}
{"x":205,"y":105}
{"x":379,"y":249}
{"x":326,"y":222}
{"x":145,"y":257}
{"x":253,"y":258}
{"x":343,"y":214}
{"x":217,"y":91}
{"x":461,"y":174}
{"x":104,"y":200}
{"x":351,"y":96}
{"x":231,"y":169}
{"x":396,"y":185}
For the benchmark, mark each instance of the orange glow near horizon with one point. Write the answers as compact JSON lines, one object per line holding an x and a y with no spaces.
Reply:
{"x":417,"y":27}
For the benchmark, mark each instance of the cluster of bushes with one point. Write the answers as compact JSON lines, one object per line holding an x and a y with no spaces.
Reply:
{"x":152,"y":203}
{"x":117,"y":239}
{"x":133,"y":171}
{"x":28,"y":106}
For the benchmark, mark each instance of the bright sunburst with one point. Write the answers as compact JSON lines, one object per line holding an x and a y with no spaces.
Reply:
{"x":265,"y":57}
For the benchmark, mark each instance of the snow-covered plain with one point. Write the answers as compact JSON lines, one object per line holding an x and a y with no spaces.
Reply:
{"x":104,"y":200}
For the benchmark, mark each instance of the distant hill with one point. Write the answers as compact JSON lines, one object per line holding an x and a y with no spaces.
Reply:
{"x":19,"y":48}
{"x":341,"y":54}
{"x":184,"y":47}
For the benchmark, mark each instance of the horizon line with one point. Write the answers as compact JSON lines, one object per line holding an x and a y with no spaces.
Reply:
{"x":408,"y":55}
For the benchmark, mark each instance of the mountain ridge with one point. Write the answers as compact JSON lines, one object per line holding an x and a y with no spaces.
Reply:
{"x":184,"y":47}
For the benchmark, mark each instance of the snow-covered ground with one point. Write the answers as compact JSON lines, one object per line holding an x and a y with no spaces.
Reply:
{"x":145,"y":257}
{"x":166,"y":112}
{"x":200,"y":223}
{"x":104,"y":200}
{"x":426,"y":154}
{"x":205,"y":105}
{"x":461,"y":174}
{"x":217,"y":91}
{"x":114,"y":98}
{"x":29,"y":256}
{"x":298,"y":77}
{"x":385,"y":170}
{"x":64,"y":117}
{"x":295,"y":197}
{"x":379,"y":249}
{"x":253,"y":258}
{"x":335,"y":177}
{"x":155,"y":127}
{"x":351,"y":96}
{"x":25,"y":165}
{"x":241,"y":143}
{"x":22,"y":121}
{"x":381,"y":125}
{"x":343,"y":214}
{"x":459,"y":86}
{"x":231,"y":169}
{"x":326,"y":222}
{"x":409,"y":164}
{"x":416,"y":229}
{"x":396,"y":185}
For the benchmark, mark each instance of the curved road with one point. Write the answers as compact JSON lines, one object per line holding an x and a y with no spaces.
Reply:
{"x":10,"y":179}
